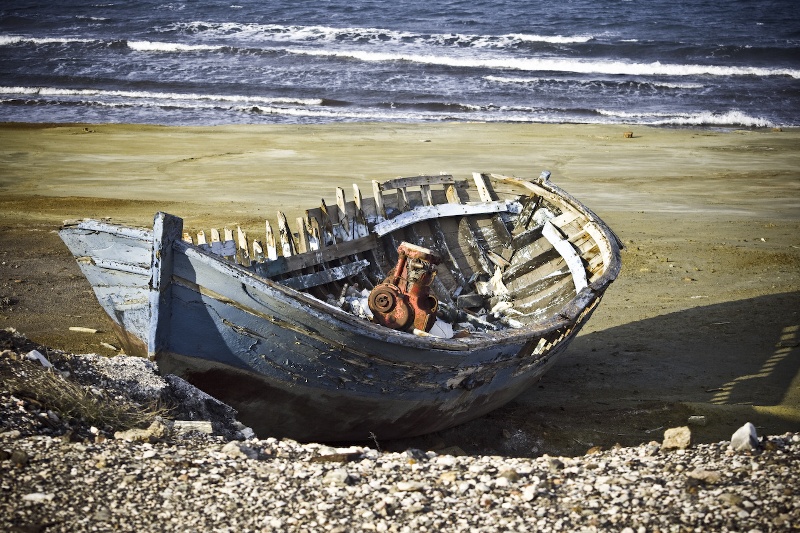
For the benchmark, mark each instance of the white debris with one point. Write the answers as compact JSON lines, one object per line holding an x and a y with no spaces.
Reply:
{"x":36,"y":355}
{"x":442,"y":329}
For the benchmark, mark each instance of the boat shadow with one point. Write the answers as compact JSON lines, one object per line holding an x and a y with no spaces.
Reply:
{"x":732,"y":363}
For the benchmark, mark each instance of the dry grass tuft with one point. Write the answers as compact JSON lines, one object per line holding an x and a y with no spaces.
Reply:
{"x":71,"y":400}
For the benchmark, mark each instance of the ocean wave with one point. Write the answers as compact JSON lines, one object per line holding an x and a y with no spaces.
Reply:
{"x":536,"y":81}
{"x":155,"y":46}
{"x":328,"y":34}
{"x":555,"y":65}
{"x":149,"y":95}
{"x":8,"y":40}
{"x":701,"y":118}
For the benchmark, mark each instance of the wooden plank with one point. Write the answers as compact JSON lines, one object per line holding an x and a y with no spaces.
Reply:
{"x":258,"y":251}
{"x":344,"y":219}
{"x":552,"y":234}
{"x":361,"y":229}
{"x":442,"y":210}
{"x":270,"y":242}
{"x":329,"y":275}
{"x":377,"y":194}
{"x":333,"y":252}
{"x":530,"y":205}
{"x":483,"y":189}
{"x":242,"y":248}
{"x":416,"y":181}
{"x":303,"y":242}
{"x":287,"y":240}
{"x":402,"y":200}
{"x":316,"y":240}
{"x":166,"y":230}
{"x":228,"y":245}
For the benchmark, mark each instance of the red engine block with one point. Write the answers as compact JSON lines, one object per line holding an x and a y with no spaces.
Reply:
{"x":404,"y":300}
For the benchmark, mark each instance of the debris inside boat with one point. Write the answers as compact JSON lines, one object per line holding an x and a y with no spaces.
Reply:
{"x":429,"y":304}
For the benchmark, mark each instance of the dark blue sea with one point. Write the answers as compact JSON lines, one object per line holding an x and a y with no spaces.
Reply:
{"x":202,"y":62}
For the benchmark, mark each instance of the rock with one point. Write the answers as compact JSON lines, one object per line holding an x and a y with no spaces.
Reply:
{"x":186,"y":426}
{"x":745,"y":439}
{"x":709,"y":477}
{"x":510,"y":475}
{"x":410,"y":486}
{"x":19,"y":458}
{"x":157,"y":431}
{"x":697,"y":420}
{"x":38,"y":497}
{"x":555,"y":464}
{"x":239,"y":450}
{"x":337,"y":476}
{"x":678,"y":438}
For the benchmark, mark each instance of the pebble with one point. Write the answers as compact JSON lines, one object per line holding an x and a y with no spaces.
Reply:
{"x":677,"y":438}
{"x":745,"y":439}
{"x":81,"y":481}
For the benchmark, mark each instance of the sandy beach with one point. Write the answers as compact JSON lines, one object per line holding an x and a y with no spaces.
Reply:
{"x":703,"y":320}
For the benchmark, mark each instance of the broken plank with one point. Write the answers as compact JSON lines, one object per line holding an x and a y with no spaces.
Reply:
{"x":417,"y":181}
{"x":333,"y":252}
{"x":443,"y":210}
{"x":554,"y":236}
{"x":307,"y":281}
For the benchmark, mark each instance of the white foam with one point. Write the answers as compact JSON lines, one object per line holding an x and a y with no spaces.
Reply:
{"x":155,"y":46}
{"x":554,"y":65}
{"x":53,"y":91}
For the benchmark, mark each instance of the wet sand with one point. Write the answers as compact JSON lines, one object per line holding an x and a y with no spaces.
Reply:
{"x":704,"y":319}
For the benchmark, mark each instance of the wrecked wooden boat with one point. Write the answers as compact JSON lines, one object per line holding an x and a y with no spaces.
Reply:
{"x":432,"y":303}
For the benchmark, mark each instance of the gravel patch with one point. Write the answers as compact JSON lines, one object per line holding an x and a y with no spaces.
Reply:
{"x":57,"y":474}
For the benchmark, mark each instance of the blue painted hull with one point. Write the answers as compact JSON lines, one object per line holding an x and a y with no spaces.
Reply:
{"x":294,"y":365}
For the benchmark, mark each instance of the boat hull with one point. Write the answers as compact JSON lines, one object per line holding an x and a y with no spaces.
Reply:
{"x":295,"y":365}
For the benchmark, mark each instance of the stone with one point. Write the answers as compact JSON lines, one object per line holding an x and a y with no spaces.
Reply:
{"x":337,"y":476}
{"x":678,"y":438}
{"x":709,"y":477}
{"x":19,"y":458}
{"x":745,"y":439}
{"x":157,"y":431}
{"x":697,"y":420}
{"x":238,"y":450}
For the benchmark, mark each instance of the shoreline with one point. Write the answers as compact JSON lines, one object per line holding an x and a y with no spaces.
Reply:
{"x":702,"y":320}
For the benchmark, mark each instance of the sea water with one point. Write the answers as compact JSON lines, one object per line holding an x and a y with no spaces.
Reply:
{"x":675,"y":62}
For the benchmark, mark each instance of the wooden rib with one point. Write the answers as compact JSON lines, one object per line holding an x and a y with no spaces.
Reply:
{"x":417,"y":181}
{"x":359,"y":219}
{"x":552,"y":234}
{"x":287,"y":241}
{"x":242,"y":248}
{"x":316,"y":237}
{"x":258,"y":251}
{"x":326,"y":224}
{"x":483,"y":190}
{"x":187,"y":237}
{"x":272,"y":247}
{"x":303,"y":242}
{"x":377,"y":195}
{"x":530,"y":206}
{"x":344,"y":219}
{"x":402,"y":200}
{"x":283,"y":265}
{"x":227,"y":245}
{"x":421,"y":213}
{"x":427,"y":196}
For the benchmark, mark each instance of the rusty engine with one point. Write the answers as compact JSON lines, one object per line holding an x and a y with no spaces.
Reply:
{"x":404,"y":300}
